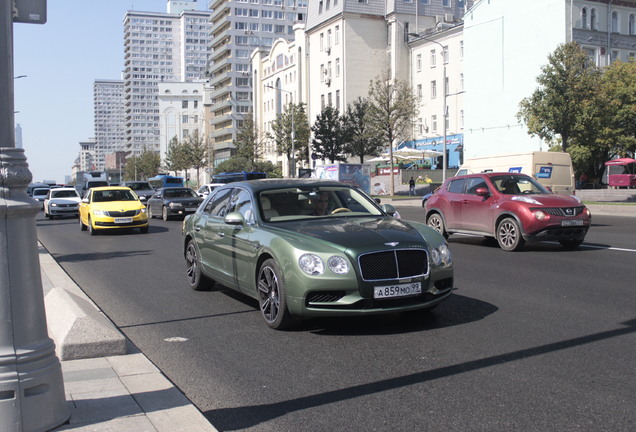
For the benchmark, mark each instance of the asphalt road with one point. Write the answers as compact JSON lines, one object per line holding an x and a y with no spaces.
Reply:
{"x":542,"y":339}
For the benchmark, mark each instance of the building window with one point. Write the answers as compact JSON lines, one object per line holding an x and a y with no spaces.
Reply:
{"x":584,"y":18}
{"x":322,"y":41}
{"x":461,"y":50}
{"x":420,"y":127}
{"x":337,"y":99}
{"x":336,"y":35}
{"x":461,"y":82}
{"x":445,"y":54}
{"x":433,"y":89}
{"x":337,"y":67}
{"x":196,"y":104}
{"x":329,"y":98}
{"x":446,"y":86}
{"x":433,"y":58}
{"x":419,"y":91}
{"x":418,"y":62}
{"x":461,"y":119}
{"x":184,"y":104}
{"x":446,"y":3}
{"x":614,"y":55}
{"x":434,"y":123}
{"x":615,"y":22}
{"x":593,"y":19}
{"x":632,"y":24}
{"x":322,"y":102}
{"x":323,"y":72}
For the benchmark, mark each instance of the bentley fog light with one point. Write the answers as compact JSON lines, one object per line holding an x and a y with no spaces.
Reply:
{"x":338,"y":265}
{"x":311,"y":264}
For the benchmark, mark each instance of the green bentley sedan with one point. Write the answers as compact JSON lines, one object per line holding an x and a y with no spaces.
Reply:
{"x":307,"y":248}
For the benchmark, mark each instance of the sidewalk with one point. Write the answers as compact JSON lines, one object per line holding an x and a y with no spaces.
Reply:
{"x":119,"y":393}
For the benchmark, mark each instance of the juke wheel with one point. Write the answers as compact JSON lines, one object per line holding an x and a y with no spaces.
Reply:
{"x":509,"y":235}
{"x":272,"y":297}
{"x":436,"y":222}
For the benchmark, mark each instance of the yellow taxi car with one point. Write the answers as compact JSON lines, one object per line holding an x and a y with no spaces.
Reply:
{"x":112,"y":207}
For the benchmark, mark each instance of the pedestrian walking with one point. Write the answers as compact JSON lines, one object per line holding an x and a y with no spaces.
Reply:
{"x":411,"y":187}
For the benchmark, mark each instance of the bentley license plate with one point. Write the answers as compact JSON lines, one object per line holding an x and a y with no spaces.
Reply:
{"x":123,"y":220}
{"x":400,"y":290}
{"x":572,"y":222}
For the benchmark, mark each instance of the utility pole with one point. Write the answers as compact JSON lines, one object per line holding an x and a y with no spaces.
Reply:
{"x":31,"y":384}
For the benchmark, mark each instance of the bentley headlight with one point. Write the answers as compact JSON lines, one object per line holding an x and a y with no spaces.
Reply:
{"x":441,"y":255}
{"x":311,"y":264}
{"x":338,"y":264}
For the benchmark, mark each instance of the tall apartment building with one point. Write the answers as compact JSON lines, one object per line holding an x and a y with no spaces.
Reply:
{"x":158,"y":47}
{"x":238,"y":28}
{"x":108,"y":107}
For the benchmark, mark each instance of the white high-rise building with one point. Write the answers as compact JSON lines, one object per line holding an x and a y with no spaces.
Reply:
{"x":159,"y":47}
{"x":238,"y":28}
{"x":108,"y":100}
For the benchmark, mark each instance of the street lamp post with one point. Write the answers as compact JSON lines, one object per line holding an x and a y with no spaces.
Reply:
{"x":445,"y":108}
{"x":31,"y":383}
{"x":292,"y":169}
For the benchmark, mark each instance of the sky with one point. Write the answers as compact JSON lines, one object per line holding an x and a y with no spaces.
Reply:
{"x":82,"y":40}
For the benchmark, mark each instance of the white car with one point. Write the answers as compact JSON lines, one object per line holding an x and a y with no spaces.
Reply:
{"x":40,"y":194}
{"x":62,"y":202}
{"x":207,"y":189}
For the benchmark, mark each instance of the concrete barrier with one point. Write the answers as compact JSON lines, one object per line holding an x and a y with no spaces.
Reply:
{"x":79,"y":329}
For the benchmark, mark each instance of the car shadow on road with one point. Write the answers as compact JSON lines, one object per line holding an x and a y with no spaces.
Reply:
{"x":456,"y":310}
{"x":546,"y":246}
{"x":244,"y":417}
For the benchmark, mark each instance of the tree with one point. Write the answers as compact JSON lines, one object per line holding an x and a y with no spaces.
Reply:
{"x":392,"y":108}
{"x":142,"y":166}
{"x":360,"y":139}
{"x":235,"y":164}
{"x":619,"y":89}
{"x":176,"y":156}
{"x":329,"y":135}
{"x":196,"y":152}
{"x":566,"y":103}
{"x":282,"y":132}
{"x":249,"y":143}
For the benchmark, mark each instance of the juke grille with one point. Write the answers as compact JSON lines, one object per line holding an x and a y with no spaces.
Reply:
{"x":561,"y":211}
{"x":394,"y":264}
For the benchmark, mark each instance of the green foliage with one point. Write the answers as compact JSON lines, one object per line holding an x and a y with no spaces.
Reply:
{"x":249,"y":144}
{"x":196,"y":152}
{"x":329,"y":135}
{"x":588,"y":111}
{"x":282,"y":132}
{"x":238,"y":163}
{"x":360,"y":138}
{"x":176,"y":156}
{"x":143,"y":166}
{"x":392,"y":108}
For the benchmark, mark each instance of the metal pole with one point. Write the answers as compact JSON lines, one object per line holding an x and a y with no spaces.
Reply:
{"x":31,"y":385}
{"x":293,"y":167}
{"x":444,"y":161}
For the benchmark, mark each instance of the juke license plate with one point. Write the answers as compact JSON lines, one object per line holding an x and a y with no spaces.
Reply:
{"x":123,"y":220}
{"x":572,"y":222}
{"x":400,"y":290}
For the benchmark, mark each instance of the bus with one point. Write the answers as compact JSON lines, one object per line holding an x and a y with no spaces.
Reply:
{"x":164,"y":180}
{"x":229,"y":177}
